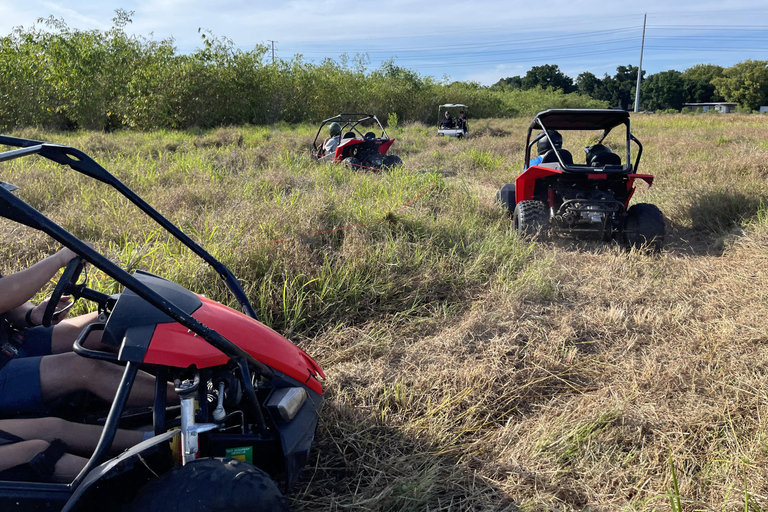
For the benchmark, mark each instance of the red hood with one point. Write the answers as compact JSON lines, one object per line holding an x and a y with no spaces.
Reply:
{"x":173,"y":345}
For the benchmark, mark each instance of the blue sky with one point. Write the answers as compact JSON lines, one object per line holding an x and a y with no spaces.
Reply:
{"x":481,"y":40}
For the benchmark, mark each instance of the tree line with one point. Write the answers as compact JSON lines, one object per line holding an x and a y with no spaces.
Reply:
{"x":745,"y":84}
{"x":63,"y":78}
{"x":58,"y":77}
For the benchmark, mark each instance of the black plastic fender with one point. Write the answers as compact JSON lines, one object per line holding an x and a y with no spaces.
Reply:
{"x":112,"y":469}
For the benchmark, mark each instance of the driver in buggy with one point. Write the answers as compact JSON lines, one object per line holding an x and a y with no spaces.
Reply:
{"x":332,"y":142}
{"x":37,"y":363}
{"x":543,"y":146}
{"x":447,"y":122}
{"x":461,"y":122}
{"x":37,"y":366}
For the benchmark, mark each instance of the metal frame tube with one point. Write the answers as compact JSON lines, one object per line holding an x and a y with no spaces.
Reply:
{"x":110,"y":427}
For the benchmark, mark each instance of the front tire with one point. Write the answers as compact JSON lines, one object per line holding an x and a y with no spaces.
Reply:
{"x":644,"y":227}
{"x":211,"y":485}
{"x":353,"y":163}
{"x":531,"y":218}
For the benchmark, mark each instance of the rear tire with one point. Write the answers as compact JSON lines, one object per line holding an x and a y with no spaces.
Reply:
{"x":210,"y":485}
{"x":392,"y":161}
{"x":531,"y":218}
{"x":644,"y":227}
{"x":506,"y":197}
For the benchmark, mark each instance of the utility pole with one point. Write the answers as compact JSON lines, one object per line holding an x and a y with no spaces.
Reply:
{"x":273,"y":49}
{"x":640,"y":69}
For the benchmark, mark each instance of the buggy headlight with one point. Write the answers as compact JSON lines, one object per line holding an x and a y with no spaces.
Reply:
{"x":287,"y":402}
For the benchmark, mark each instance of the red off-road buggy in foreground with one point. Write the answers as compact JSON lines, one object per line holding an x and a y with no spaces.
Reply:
{"x":592,"y":198}
{"x":250,"y":399}
{"x":359,"y":147}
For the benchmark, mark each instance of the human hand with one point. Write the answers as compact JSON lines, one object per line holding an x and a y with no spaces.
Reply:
{"x":62,"y":310}
{"x":65,"y":255}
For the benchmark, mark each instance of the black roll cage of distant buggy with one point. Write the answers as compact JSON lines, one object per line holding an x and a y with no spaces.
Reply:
{"x":17,"y":210}
{"x":350,"y":121}
{"x":582,"y":119}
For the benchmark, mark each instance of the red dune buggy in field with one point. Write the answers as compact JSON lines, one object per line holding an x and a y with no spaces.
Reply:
{"x":357,"y":146}
{"x":586,"y":195}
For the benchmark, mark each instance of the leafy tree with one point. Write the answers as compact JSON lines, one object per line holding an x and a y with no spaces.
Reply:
{"x":547,"y":76}
{"x":617,"y":90}
{"x":698,"y":84}
{"x":588,"y":84}
{"x":622,"y":88}
{"x":67,"y":78}
{"x":663,"y":91}
{"x":510,"y":83}
{"x":746,"y":83}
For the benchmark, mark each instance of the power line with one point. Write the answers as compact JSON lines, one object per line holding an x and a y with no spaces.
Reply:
{"x":506,"y":50}
{"x":513,"y":47}
{"x":444,"y":65}
{"x":578,"y":35}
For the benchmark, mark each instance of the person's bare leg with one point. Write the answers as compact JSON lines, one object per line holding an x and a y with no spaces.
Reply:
{"x":65,"y":470}
{"x":66,"y":332}
{"x":61,"y":374}
{"x":80,"y":438}
{"x":20,"y":453}
{"x":68,"y":467}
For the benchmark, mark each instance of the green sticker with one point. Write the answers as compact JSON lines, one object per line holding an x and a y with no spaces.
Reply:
{"x":243,"y":453}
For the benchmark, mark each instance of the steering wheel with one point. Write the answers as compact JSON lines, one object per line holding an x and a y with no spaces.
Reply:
{"x":67,"y":285}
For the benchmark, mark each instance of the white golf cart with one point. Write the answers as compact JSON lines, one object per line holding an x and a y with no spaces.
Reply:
{"x":457,"y":130}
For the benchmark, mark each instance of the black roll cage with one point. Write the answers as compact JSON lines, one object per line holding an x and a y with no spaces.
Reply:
{"x":17,"y":210}
{"x":350,"y":121}
{"x":581,"y":119}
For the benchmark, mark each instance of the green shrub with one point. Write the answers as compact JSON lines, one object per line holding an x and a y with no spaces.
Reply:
{"x":66,"y":78}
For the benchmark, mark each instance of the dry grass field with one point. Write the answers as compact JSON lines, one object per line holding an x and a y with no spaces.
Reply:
{"x":468,"y":369}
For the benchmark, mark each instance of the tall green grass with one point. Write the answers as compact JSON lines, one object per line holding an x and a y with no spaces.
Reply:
{"x":315,"y":244}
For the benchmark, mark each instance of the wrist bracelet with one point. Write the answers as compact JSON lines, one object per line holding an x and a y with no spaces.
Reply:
{"x":28,"y":318}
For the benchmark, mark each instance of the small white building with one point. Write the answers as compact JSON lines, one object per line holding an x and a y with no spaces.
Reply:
{"x":720,"y":106}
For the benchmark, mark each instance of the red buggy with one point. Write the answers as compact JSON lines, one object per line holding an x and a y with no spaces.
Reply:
{"x":585,"y":195}
{"x":359,"y":146}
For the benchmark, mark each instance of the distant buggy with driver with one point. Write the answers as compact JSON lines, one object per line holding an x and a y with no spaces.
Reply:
{"x":448,"y":126}
{"x":356,"y":145}
{"x":584,"y":199}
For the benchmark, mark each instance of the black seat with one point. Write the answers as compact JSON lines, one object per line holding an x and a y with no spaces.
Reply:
{"x":604,"y":159}
{"x":550,"y":157}
{"x":349,"y":135}
{"x":599,"y":155}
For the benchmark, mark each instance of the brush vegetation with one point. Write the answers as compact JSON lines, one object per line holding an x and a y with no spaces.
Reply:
{"x":60,"y":77}
{"x":468,"y":369}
